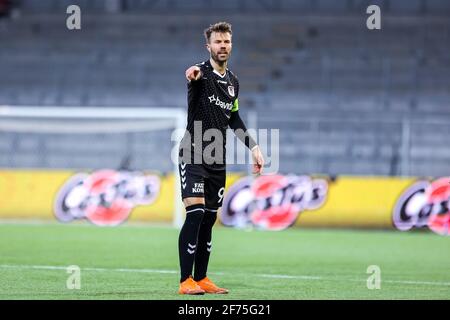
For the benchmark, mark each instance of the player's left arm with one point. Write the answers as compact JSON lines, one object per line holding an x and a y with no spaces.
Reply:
{"x":240,"y":130}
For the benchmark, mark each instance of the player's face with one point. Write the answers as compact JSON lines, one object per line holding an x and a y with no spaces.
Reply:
{"x":219,"y":46}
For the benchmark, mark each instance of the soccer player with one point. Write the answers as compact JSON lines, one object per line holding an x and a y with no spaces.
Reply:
{"x":212,"y":106}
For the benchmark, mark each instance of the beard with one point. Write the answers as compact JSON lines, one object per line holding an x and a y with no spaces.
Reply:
{"x":220,"y":60}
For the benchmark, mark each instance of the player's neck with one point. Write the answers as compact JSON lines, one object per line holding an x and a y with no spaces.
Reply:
{"x":221,"y":68}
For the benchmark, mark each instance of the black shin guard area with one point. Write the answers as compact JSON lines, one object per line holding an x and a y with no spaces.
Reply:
{"x":187,"y":241}
{"x":204,"y":244}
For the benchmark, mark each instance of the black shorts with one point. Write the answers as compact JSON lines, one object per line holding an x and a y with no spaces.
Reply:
{"x":200,"y":181}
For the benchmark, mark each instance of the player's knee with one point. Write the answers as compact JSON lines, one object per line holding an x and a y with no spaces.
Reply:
{"x":195,"y":214}
{"x":210,"y":216}
{"x":195,"y":220}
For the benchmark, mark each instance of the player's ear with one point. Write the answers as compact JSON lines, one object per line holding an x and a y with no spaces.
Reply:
{"x":208,"y":47}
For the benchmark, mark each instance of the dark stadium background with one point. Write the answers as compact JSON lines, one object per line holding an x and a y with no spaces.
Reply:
{"x":367,"y":111}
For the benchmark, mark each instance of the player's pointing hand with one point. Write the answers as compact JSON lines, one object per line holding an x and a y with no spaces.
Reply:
{"x":193,"y":73}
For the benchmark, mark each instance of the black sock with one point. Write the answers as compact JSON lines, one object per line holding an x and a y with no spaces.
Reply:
{"x":204,"y":244}
{"x":187,"y":241}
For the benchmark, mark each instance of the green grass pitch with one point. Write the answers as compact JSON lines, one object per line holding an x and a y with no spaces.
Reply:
{"x":141,"y":262}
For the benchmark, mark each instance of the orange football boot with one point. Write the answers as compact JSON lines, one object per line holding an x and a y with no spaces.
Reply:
{"x":209,"y":287}
{"x":189,"y":286}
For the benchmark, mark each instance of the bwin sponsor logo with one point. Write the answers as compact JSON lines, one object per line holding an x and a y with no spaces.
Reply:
{"x":218,"y":102}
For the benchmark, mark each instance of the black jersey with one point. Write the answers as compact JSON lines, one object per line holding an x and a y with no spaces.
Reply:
{"x":211,"y":100}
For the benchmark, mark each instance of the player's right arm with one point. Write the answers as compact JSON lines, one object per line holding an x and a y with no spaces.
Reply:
{"x":193,"y":73}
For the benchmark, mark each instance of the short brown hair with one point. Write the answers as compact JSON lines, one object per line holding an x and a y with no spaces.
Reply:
{"x":221,"y":27}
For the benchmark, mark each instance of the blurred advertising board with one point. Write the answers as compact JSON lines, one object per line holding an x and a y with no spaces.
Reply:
{"x":268,"y":202}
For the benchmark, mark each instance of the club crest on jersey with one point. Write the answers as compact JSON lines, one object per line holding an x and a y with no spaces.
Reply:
{"x":231,"y":90}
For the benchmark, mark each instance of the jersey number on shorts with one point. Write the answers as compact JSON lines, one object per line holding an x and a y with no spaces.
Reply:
{"x":220,"y":194}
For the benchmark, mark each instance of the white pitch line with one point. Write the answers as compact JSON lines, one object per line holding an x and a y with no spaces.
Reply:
{"x":260,"y":275}
{"x":6,"y":266}
{"x":418,"y":282}
{"x":285,"y":276}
